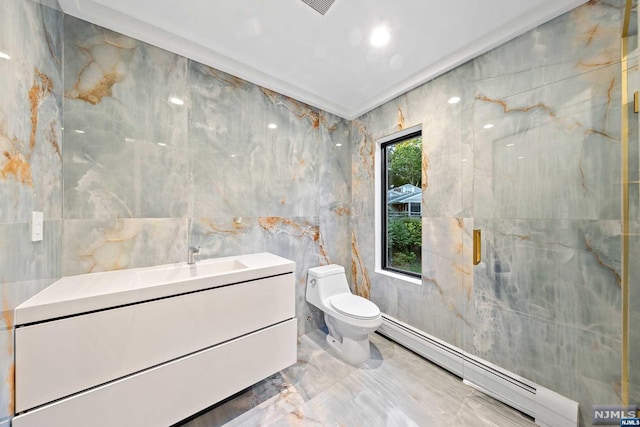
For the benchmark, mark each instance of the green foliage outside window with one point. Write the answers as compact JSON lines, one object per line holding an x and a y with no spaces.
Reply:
{"x":405,"y":163}
{"x":405,"y":242}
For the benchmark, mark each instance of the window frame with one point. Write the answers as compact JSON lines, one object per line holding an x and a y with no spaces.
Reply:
{"x":381,"y":266}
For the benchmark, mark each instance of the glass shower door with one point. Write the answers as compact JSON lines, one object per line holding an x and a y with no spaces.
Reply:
{"x":545,"y":298}
{"x":631,"y":212}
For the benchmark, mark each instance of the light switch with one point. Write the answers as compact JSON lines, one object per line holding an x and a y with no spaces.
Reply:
{"x":37,"y":225}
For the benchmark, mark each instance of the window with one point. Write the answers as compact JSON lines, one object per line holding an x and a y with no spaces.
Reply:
{"x":400,"y":199}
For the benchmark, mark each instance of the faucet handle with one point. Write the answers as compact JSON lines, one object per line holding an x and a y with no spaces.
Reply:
{"x":192,"y":252}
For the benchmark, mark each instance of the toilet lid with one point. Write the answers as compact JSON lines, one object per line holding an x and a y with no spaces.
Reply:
{"x":355,"y":306}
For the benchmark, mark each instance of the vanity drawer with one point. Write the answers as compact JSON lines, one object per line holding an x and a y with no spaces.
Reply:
{"x":58,"y":358}
{"x":169,"y":393}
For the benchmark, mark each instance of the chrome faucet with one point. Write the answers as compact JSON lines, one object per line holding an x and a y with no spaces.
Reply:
{"x":193,"y":251}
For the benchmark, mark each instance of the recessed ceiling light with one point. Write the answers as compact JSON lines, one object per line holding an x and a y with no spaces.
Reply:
{"x":79,"y":131}
{"x":488,"y":126}
{"x":454,"y":100}
{"x":464,"y":160}
{"x":338,"y":145}
{"x":379,"y":36}
{"x":4,"y":55}
{"x":162,"y":144}
{"x":510,"y":145}
{"x":232,"y":155}
{"x":176,"y":101}
{"x":521,"y":157}
{"x":129,"y":140}
{"x":272,"y":126}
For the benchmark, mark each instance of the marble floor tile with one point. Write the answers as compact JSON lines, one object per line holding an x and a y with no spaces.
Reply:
{"x":316,"y":370}
{"x":395,"y":387}
{"x":266,"y":401}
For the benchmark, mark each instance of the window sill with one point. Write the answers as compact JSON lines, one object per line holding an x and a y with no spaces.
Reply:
{"x":399,"y":276}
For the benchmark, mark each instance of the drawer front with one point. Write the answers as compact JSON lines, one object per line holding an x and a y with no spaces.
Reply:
{"x":174,"y":391}
{"x":56,"y":359}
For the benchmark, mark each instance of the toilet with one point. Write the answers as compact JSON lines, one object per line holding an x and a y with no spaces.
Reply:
{"x":349,"y":318}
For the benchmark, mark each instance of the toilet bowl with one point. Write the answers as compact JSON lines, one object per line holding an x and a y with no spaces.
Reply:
{"x":349,"y":318}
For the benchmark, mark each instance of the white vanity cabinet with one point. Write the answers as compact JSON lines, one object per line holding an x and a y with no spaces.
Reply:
{"x":154,"y":356}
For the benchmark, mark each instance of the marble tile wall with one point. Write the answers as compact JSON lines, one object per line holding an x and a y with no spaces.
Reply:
{"x":30,"y":165}
{"x":252,"y":188}
{"x":543,"y":185}
{"x":125,"y":157}
{"x":144,"y":178}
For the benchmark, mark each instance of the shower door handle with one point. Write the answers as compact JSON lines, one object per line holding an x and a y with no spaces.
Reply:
{"x":477,"y":247}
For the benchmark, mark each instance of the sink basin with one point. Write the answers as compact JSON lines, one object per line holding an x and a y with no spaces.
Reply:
{"x":216,"y":267}
{"x":205,"y":268}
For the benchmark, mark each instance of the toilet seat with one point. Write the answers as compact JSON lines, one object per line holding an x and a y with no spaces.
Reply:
{"x":355,"y":306}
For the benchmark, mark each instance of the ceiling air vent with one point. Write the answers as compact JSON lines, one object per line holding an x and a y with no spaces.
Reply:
{"x":320,"y":6}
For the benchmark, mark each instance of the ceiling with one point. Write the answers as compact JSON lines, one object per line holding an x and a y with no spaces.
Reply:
{"x":326,"y":61}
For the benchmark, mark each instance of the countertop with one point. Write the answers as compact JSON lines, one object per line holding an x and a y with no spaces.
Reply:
{"x":85,"y":293}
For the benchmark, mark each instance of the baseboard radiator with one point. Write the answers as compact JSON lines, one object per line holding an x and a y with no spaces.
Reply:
{"x":547,"y":407}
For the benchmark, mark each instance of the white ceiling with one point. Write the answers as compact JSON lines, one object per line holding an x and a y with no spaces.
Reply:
{"x":326,"y":61}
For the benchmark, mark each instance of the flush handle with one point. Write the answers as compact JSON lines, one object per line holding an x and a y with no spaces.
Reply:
{"x":477,"y":247}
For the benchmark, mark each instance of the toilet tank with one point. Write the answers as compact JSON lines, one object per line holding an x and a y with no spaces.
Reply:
{"x":329,"y":280}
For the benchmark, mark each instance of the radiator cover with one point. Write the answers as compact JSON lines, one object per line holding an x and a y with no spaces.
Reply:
{"x":547,"y":407}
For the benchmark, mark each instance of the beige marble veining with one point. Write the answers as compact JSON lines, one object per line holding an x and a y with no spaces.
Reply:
{"x":30,"y":164}
{"x":359,"y":273}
